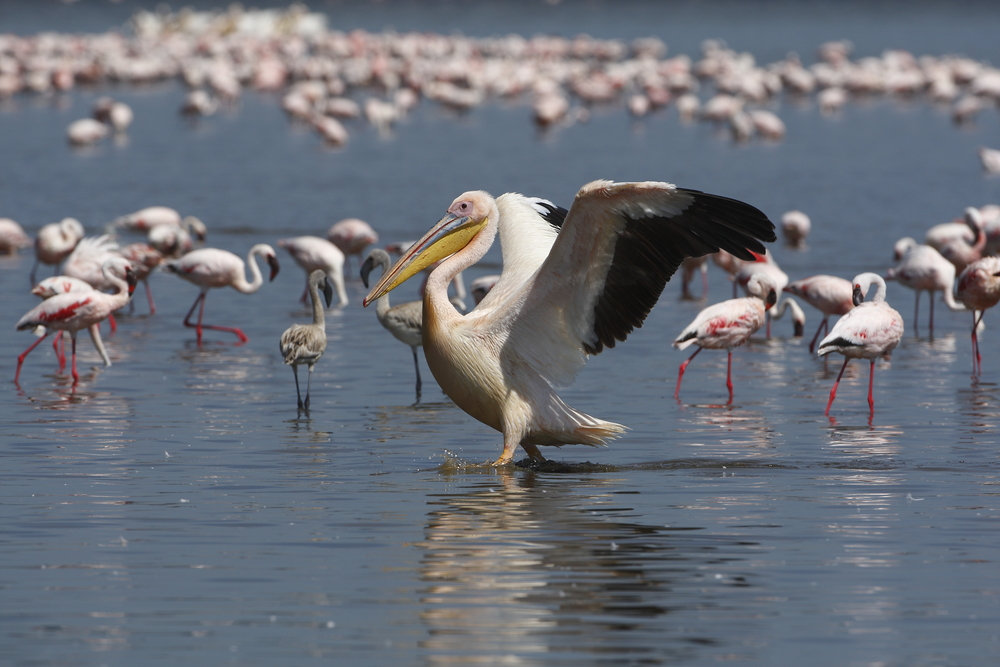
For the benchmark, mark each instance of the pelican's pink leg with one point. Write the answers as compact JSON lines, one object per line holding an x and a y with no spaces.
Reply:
{"x":871,"y":384}
{"x":823,"y":325}
{"x":112,"y":323}
{"x":729,"y":374}
{"x":767,"y":318}
{"x":833,"y":392}
{"x":680,"y":374}
{"x":704,"y":281}
{"x":916,"y":314}
{"x":20,"y":359}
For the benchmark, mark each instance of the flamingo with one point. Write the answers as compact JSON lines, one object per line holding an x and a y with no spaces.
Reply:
{"x":922,"y":268}
{"x":145,"y":219}
{"x":212,"y":267}
{"x":312,"y":253}
{"x":725,"y":325}
{"x":306,"y":343}
{"x":144,"y":259}
{"x":55,"y":241}
{"x":870,"y":330}
{"x":795,"y":227}
{"x":828,"y":294}
{"x":403,"y":321}
{"x":764,"y":264}
{"x":176,"y":240}
{"x":12,"y":237}
{"x":557,"y":301}
{"x":688,"y":268}
{"x":962,"y":252}
{"x":74,"y":311}
{"x":352,"y":236}
{"x":978,"y":289}
{"x":48,"y":288}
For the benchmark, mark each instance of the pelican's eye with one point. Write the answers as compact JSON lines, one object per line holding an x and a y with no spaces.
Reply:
{"x":462,"y":208}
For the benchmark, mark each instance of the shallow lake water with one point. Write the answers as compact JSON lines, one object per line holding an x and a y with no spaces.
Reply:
{"x":176,"y":508}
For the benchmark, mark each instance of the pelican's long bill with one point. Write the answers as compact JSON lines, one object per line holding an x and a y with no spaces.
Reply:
{"x":448,"y":236}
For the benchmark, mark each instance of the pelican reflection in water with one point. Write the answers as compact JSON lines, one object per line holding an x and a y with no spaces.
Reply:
{"x":555,"y":305}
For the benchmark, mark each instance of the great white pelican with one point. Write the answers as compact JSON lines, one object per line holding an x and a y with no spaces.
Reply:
{"x":562,"y":295}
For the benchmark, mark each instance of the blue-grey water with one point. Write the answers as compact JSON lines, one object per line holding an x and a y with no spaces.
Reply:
{"x":175,"y":508}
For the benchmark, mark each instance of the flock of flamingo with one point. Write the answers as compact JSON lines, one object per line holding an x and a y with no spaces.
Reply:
{"x":574,"y":281}
{"x":330,"y":79}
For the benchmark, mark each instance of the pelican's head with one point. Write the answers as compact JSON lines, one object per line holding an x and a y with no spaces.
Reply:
{"x":466,"y":216}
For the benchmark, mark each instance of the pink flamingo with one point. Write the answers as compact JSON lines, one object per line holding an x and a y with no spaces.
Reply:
{"x":313,"y":253}
{"x":55,"y":242}
{"x":147,"y":218}
{"x":870,"y":330}
{"x":795,"y":226}
{"x":352,"y":236}
{"x":765,"y":264}
{"x":979,"y":288}
{"x":828,"y":294}
{"x":74,"y":311}
{"x":49,"y":288}
{"x":688,"y":268}
{"x":922,"y":268}
{"x":962,"y":252}
{"x":212,"y":267}
{"x":144,"y":259}
{"x":729,"y":324}
{"x":12,"y":237}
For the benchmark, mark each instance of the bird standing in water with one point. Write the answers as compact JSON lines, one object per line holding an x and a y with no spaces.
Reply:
{"x":554,"y":306}
{"x":306,"y":343}
{"x":211,"y":267}
{"x":868,"y":331}
{"x":729,"y":324}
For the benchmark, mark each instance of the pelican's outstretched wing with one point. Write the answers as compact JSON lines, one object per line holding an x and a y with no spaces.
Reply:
{"x":618,"y":246}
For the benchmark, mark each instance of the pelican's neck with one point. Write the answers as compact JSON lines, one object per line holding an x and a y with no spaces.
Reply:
{"x":257,"y":279}
{"x":436,"y":289}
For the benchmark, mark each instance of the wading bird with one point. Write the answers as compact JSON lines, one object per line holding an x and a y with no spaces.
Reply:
{"x":312,"y":253}
{"x":979,"y":289}
{"x":212,"y":267}
{"x":404,"y":320}
{"x":306,"y":343}
{"x":618,"y":246}
{"x":55,"y":241}
{"x":829,"y":294}
{"x":49,"y":288}
{"x":80,"y":310}
{"x":352,"y":236}
{"x":726,"y":325}
{"x":922,"y":268}
{"x":870,"y":330}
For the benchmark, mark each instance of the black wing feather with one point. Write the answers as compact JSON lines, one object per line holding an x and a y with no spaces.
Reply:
{"x":649,"y":251}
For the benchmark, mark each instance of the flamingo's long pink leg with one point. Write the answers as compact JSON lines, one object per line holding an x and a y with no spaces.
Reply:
{"x":833,"y":392}
{"x":680,"y":373}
